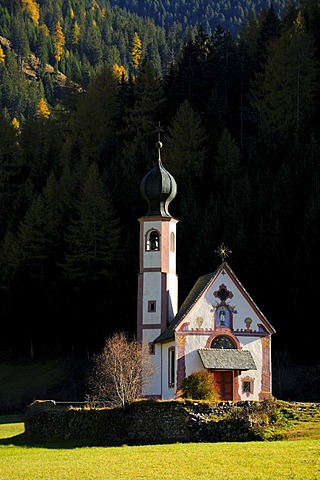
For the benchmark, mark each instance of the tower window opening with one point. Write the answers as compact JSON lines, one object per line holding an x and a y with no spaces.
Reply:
{"x":153,"y":241}
{"x":151,"y":306}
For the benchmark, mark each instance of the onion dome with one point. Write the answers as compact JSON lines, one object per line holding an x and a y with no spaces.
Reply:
{"x":158,"y":188}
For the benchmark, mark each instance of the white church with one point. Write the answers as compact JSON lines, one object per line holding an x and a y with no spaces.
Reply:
{"x":218,"y":327}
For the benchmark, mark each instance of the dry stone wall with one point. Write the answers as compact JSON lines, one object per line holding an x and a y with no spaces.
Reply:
{"x":145,"y":422}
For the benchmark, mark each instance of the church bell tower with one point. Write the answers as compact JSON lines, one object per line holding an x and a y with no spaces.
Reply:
{"x":157,"y":279}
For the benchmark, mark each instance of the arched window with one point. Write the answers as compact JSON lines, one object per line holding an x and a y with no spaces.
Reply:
{"x":153,"y":240}
{"x":222,"y":342}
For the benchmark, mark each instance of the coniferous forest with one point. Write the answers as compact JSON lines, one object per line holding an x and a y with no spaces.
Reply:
{"x":83,"y":85}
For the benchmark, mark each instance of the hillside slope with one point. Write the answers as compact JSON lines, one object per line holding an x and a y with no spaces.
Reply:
{"x":23,"y":381}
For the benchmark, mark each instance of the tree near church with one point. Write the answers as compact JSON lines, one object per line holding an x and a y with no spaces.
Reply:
{"x":120,"y":371}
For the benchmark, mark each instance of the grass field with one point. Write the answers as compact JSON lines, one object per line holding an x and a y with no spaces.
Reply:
{"x":296,"y":459}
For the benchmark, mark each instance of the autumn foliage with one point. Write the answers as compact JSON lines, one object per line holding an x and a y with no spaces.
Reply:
{"x":59,"y":41}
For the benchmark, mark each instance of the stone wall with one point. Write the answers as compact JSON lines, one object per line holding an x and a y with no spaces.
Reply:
{"x":144,"y":422}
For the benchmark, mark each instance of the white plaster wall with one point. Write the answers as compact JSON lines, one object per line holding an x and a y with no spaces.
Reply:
{"x":254,"y":345}
{"x":154,"y":385}
{"x":172,"y":287}
{"x":167,"y":393}
{"x":192,"y":360}
{"x":151,"y":291}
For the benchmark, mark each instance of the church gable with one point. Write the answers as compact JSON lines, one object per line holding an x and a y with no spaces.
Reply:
{"x":218,"y":302}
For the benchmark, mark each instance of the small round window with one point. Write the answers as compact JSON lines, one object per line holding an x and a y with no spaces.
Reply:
{"x":222,"y":342}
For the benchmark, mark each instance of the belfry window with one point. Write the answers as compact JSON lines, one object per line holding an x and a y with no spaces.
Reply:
{"x":153,"y":241}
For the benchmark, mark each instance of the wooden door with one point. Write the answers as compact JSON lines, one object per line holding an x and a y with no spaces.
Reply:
{"x":224,"y":381}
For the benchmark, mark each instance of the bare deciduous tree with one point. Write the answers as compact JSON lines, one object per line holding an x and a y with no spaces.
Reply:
{"x":116,"y":376}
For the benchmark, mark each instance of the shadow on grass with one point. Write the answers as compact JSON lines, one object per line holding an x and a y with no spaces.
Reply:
{"x":25,"y":440}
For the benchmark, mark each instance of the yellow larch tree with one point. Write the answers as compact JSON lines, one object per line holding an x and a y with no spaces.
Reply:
{"x":43,"y":110}
{"x":33,"y":9}
{"x":16,"y":124}
{"x":119,"y":71}
{"x":2,"y":55}
{"x":136,"y":51}
{"x":59,"y":41}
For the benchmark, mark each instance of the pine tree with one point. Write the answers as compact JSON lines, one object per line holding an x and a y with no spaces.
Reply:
{"x":185,"y":144}
{"x":288,"y":86}
{"x":10,"y":171}
{"x":76,"y":33}
{"x":93,"y":236}
{"x":92,"y":122}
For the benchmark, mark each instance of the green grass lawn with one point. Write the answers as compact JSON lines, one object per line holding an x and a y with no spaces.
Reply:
{"x":285,"y":459}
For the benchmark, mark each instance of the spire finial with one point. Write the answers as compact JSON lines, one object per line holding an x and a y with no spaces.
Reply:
{"x":159,"y":129}
{"x":223,"y":251}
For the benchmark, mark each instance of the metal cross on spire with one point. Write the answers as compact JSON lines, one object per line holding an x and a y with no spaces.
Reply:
{"x":223,"y":251}
{"x":159,"y":129}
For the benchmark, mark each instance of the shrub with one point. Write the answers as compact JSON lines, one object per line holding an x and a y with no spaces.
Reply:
{"x":200,"y":386}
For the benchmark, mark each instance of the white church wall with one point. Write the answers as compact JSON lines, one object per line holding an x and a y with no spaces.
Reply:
{"x":167,"y":392}
{"x":154,"y":384}
{"x":254,"y":346}
{"x":151,"y":292}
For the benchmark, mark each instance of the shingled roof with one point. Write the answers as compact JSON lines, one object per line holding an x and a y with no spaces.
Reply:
{"x":227,"y":359}
{"x":191,"y":299}
{"x":195,"y":293}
